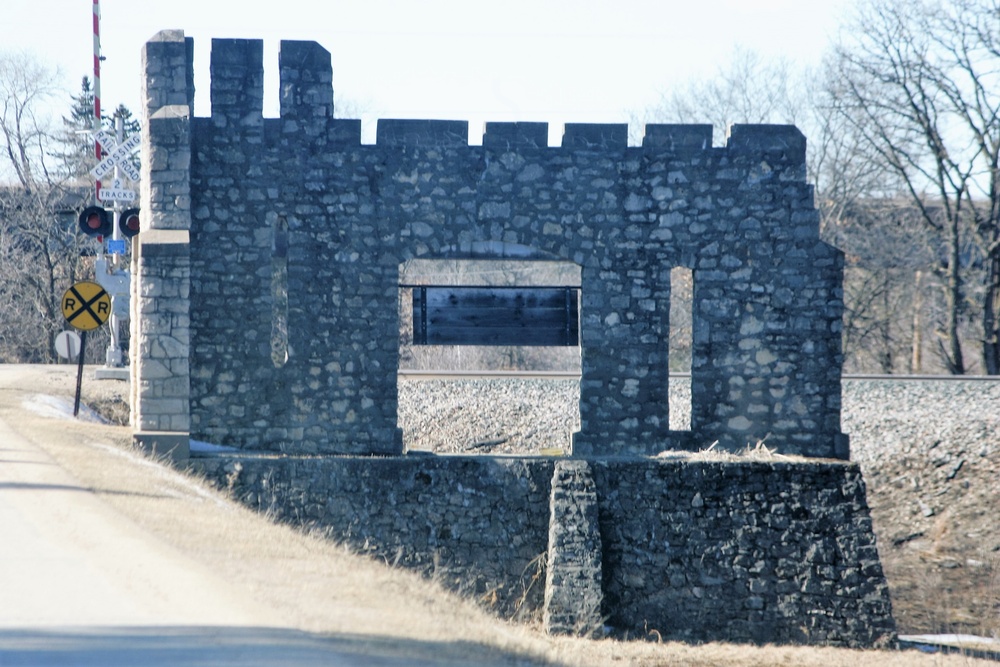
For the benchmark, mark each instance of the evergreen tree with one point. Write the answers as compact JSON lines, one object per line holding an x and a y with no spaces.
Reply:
{"x":78,"y":156}
{"x":131,"y":123}
{"x":78,"y":145}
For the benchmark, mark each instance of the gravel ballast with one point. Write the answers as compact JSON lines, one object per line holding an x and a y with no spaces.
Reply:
{"x":885,"y":418}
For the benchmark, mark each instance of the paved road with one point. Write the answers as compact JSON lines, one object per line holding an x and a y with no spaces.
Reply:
{"x":82,"y":585}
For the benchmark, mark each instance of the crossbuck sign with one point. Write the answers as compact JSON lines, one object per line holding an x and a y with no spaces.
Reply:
{"x":118,"y":155}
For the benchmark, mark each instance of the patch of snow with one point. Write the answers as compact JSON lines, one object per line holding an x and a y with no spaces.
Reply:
{"x":163,"y":472}
{"x":199,"y":447}
{"x":57,"y":407}
{"x":970,"y":642}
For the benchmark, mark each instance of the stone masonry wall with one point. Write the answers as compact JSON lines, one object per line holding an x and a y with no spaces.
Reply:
{"x":759,"y":552}
{"x":768,"y":302}
{"x":479,"y":525}
{"x":751,"y":552}
{"x":233,"y":204}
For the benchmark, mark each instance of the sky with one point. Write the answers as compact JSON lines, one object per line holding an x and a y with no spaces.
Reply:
{"x":530,"y":60}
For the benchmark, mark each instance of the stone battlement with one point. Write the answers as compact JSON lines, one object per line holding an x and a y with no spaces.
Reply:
{"x":306,"y":94}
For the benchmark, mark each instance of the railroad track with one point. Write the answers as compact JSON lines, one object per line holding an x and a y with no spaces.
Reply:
{"x":411,"y":374}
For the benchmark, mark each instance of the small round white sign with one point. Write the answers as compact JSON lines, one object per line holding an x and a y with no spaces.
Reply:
{"x":68,"y":345}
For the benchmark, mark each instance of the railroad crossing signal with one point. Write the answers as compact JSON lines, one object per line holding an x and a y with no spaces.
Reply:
{"x":95,"y":221}
{"x":86,"y":305}
{"x":128,"y":222}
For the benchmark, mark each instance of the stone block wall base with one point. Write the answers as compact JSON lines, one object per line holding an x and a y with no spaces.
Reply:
{"x":589,"y":446}
{"x":164,"y":444}
{"x":766,"y":552}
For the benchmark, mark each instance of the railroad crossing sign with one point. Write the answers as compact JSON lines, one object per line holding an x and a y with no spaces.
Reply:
{"x":118,"y":155}
{"x":86,"y":305}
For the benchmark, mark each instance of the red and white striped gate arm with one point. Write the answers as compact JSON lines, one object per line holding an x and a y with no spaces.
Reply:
{"x":97,"y":89}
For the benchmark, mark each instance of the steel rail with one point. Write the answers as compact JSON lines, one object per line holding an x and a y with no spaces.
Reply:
{"x":414,"y":374}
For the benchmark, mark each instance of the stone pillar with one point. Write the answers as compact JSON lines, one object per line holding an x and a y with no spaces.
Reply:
{"x":624,"y":382}
{"x":573,"y":592}
{"x":161,"y":283}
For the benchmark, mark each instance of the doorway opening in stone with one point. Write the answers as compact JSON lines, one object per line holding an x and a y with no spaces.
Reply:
{"x":487,"y":399}
{"x":680,"y":346}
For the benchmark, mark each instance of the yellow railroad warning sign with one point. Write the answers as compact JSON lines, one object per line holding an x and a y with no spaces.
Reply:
{"x":86,"y":305}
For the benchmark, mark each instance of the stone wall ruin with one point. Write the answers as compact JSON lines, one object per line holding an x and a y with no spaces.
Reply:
{"x":223,"y":196}
{"x":767,"y":298}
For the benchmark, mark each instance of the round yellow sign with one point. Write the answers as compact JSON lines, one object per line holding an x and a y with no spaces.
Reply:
{"x":86,"y":305}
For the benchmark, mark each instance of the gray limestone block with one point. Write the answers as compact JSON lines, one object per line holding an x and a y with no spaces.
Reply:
{"x":600,"y":136}
{"x":512,"y":136}
{"x":678,"y":137}
{"x":423,"y":133}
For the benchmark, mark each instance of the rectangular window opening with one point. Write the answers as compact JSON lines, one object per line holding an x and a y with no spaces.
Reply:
{"x":680,"y":346}
{"x":279,"y":292}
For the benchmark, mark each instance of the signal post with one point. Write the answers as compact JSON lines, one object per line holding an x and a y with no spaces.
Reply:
{"x":114,"y":229}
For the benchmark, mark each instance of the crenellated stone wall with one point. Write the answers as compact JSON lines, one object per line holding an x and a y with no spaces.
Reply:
{"x":344,"y":216}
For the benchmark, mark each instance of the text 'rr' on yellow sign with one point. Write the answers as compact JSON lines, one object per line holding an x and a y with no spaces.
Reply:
{"x":86,"y":305}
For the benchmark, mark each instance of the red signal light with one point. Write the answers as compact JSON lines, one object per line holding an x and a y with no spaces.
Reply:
{"x":95,"y":221}
{"x":128,"y":222}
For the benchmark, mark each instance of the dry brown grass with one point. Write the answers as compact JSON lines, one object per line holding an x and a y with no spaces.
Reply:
{"x":943,"y":570}
{"x":756,"y":452}
{"x":320,"y":587}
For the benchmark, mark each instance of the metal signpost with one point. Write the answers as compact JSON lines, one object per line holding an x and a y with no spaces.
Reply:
{"x":85,"y":306}
{"x":111,"y":275}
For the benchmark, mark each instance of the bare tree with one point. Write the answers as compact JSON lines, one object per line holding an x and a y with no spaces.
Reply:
{"x":43,"y":255}
{"x":26,"y":90}
{"x":40,"y":248}
{"x":920,"y":82}
{"x":888,"y":251}
{"x":747,"y":89}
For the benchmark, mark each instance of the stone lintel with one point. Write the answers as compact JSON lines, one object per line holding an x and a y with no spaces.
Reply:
{"x":163,"y":242}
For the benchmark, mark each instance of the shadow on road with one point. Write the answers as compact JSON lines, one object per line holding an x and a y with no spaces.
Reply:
{"x":235,"y":646}
{"x":28,"y":486}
